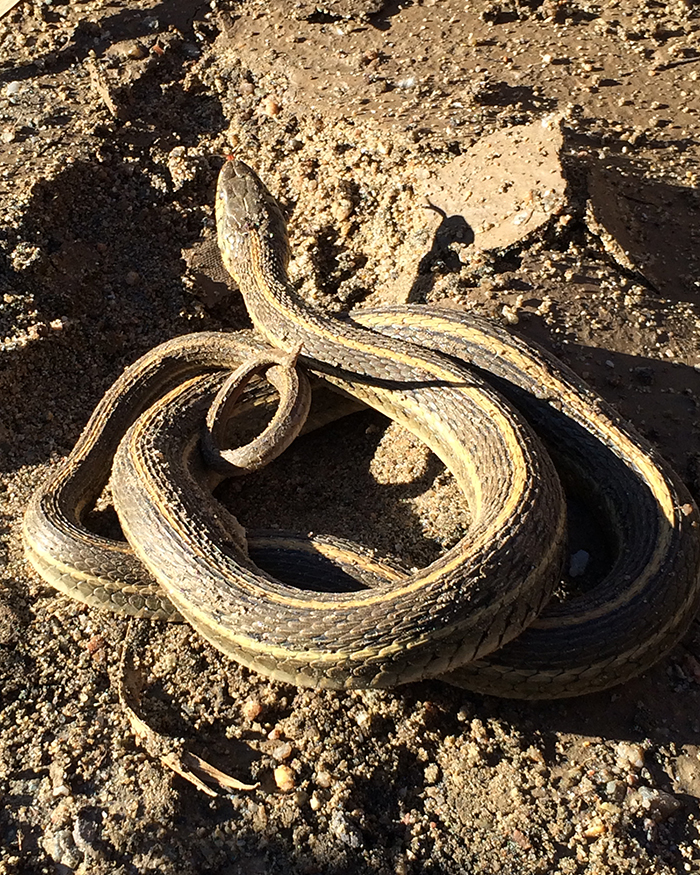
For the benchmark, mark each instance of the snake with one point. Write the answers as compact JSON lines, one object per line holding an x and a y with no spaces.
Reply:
{"x":509,"y":421}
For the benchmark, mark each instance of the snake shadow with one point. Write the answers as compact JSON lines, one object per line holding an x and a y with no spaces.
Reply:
{"x":326,"y":483}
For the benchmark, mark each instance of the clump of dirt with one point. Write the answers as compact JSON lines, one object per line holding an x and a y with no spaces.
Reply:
{"x":115,"y":118}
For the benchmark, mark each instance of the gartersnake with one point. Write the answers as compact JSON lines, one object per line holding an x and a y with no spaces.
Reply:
{"x":408,"y":362}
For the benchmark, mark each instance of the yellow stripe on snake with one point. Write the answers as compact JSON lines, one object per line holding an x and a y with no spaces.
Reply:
{"x":480,"y":616}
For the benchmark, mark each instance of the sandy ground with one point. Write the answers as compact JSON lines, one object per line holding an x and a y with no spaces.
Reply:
{"x":114,"y":118}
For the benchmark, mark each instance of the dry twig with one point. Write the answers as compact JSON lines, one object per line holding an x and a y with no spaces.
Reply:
{"x":189,"y":766}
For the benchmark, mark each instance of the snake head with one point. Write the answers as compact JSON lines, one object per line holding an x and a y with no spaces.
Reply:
{"x":249,"y":222}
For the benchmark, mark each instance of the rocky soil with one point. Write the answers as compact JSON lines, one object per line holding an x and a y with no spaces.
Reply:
{"x":114,"y":118}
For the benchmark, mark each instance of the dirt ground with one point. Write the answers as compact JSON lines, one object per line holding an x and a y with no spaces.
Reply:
{"x":114,"y":120}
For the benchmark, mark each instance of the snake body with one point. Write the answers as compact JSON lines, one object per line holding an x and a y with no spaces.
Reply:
{"x":408,"y":362}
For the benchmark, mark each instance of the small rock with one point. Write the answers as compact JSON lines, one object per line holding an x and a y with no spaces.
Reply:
{"x":363,"y":719}
{"x":271,"y":107}
{"x":510,"y":314}
{"x":644,"y":375}
{"x":630,"y":755}
{"x":342,"y":209}
{"x":509,"y":185}
{"x":343,"y":829}
{"x":616,"y":790}
{"x":657,"y":805}
{"x":136,"y":51}
{"x":282,"y":751}
{"x":323,"y":779}
{"x":285,"y":778}
{"x":61,"y":848}
{"x":688,"y":775}
{"x":432,"y":774}
{"x":86,"y":830}
{"x":578,"y":563}
{"x":521,"y":840}
{"x":251,"y":709}
{"x":37,"y":330}
{"x":478,"y":730}
{"x":301,"y":797}
{"x":595,"y":828}
{"x":58,"y":779}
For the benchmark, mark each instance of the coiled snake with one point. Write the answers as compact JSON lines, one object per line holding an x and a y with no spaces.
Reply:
{"x":481,"y":399}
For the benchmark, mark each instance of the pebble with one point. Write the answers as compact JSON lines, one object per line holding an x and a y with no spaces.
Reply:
{"x":644,"y":375}
{"x":630,"y":755}
{"x":510,"y":314}
{"x":432,"y":774}
{"x":12,"y":88}
{"x":271,"y":107}
{"x":578,"y":563}
{"x":657,"y":804}
{"x":285,"y":778}
{"x":282,"y":751}
{"x":342,"y":209}
{"x":85,"y":831}
{"x":344,"y":830}
{"x":595,"y":828}
{"x":478,"y":730}
{"x":251,"y":709}
{"x":616,"y":790}
{"x":136,"y":51}
{"x":60,"y":846}
{"x":39,"y":329}
{"x":323,"y":779}
{"x":363,"y":719}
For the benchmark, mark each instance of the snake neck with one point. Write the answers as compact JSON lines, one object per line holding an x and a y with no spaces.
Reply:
{"x":278,"y":312}
{"x":253,"y":242}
